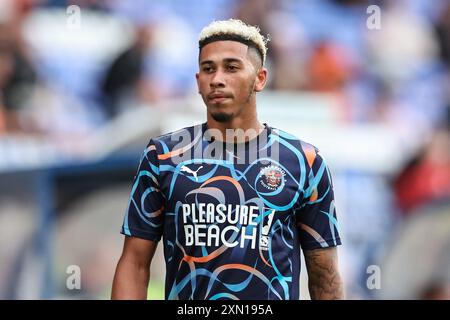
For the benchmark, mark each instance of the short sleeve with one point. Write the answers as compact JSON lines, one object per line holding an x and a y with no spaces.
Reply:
{"x":144,"y":216}
{"x":316,"y":218}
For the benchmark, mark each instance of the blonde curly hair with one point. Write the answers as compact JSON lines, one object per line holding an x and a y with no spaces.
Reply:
{"x":236,"y":30}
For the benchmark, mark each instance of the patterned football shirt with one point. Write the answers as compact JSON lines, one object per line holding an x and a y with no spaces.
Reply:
{"x":233,"y":216}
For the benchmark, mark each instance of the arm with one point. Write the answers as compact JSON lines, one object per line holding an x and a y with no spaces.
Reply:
{"x":324,"y":281}
{"x":133,"y":269}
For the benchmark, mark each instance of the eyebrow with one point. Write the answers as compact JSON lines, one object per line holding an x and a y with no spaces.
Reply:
{"x":227,"y":60}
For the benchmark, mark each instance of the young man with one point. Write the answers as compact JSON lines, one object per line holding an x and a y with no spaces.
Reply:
{"x":233,"y":199}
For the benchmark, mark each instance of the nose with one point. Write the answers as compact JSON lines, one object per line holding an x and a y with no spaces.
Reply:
{"x":217,"y":79}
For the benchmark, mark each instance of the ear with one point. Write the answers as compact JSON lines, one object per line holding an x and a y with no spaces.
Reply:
{"x":261,"y":79}
{"x":198,"y":84}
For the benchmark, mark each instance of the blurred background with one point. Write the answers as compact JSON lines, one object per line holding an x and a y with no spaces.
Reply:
{"x":85,"y":84}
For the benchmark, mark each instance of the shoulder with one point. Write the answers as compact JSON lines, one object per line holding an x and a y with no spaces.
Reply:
{"x":165,"y":142}
{"x":308,"y":150}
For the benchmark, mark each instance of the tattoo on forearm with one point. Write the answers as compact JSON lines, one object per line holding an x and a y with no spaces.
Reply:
{"x":324,"y":279}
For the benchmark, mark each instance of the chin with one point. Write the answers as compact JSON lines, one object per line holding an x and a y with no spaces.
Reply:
{"x":222,"y":116}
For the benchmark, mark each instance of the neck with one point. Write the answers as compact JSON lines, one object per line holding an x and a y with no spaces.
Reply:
{"x":249,"y":125}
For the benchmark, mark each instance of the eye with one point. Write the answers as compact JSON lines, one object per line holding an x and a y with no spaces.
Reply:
{"x":232,"y":67}
{"x":207,"y":69}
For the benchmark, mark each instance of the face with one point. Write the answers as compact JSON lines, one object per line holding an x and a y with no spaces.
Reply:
{"x":229,"y":76}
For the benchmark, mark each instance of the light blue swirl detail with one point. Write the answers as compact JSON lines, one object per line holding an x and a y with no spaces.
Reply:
{"x":224,"y":295}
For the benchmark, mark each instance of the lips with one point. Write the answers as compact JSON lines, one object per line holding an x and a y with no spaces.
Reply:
{"x":218,"y":96}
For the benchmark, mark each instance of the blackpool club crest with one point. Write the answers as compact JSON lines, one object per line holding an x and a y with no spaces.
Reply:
{"x":272,"y":177}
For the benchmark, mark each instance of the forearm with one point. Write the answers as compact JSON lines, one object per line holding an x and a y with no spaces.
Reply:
{"x":326,"y":288}
{"x":130,"y":281}
{"x":324,"y":280}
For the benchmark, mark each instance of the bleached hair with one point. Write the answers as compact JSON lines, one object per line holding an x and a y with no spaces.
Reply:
{"x":234,"y":29}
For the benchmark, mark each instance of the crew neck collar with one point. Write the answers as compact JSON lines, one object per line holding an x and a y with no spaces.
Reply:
{"x":266,"y":131}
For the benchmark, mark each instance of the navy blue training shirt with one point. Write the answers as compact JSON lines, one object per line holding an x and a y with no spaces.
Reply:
{"x":233,"y":217}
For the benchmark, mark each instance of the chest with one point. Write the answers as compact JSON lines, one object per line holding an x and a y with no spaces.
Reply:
{"x":263,"y":184}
